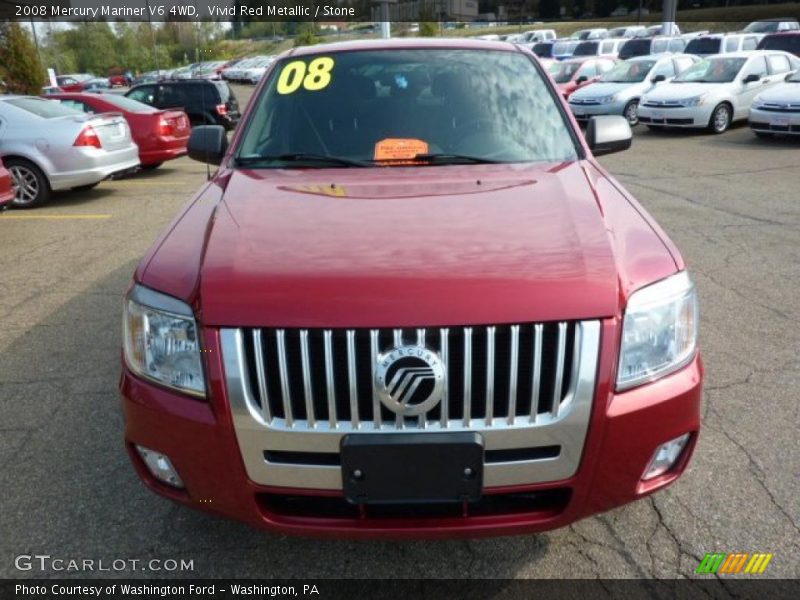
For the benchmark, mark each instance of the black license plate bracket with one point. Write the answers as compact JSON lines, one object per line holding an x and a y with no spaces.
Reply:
{"x":415,"y":467}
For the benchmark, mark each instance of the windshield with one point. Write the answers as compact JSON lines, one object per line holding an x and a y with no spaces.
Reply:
{"x":586,"y":49}
{"x":703,"y":46}
{"x":562,"y":72}
{"x":787,"y":43}
{"x":47,"y":109}
{"x":717,"y":69}
{"x":561,"y":48}
{"x":543,"y":50}
{"x":128,"y":104}
{"x":388,"y":107}
{"x":636,"y":47}
{"x":629,"y":72}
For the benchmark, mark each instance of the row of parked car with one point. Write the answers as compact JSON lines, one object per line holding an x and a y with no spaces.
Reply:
{"x":75,"y":140}
{"x":241,"y":70}
{"x":684,"y":90}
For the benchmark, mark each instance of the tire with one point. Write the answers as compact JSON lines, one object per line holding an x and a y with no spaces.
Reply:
{"x":30,"y":185}
{"x":152,"y":167}
{"x":721,"y":118}
{"x":629,"y":112}
{"x":85,"y":188}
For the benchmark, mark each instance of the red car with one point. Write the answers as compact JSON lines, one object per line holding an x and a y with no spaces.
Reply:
{"x":574,"y":73}
{"x":160,"y":134}
{"x":410,"y":303}
{"x":6,"y":187}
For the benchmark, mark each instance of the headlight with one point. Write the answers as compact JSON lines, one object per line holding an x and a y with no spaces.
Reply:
{"x":694,"y":101}
{"x":659,"y":334}
{"x":162,"y":342}
{"x":757,"y":102}
{"x":607,"y":99}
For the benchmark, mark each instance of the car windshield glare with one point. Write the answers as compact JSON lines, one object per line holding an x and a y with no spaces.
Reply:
{"x":629,"y":72}
{"x":388,"y":107}
{"x":562,"y":72}
{"x":718,"y":69}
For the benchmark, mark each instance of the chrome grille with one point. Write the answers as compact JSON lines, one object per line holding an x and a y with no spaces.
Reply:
{"x":775,"y":107}
{"x":497,"y":376}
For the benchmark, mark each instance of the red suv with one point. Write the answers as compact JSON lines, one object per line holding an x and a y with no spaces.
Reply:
{"x":410,"y":303}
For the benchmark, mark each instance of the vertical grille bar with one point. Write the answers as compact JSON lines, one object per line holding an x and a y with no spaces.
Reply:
{"x":280,"y":336}
{"x":422,"y":419}
{"x":490,"y":331}
{"x":558,"y":382}
{"x":308,"y":392}
{"x":351,"y":377}
{"x":261,"y":374}
{"x":398,"y":341}
{"x":537,"y":370}
{"x":443,"y":333}
{"x":467,"y":375}
{"x":329,"y":381}
{"x":376,"y":403}
{"x":513,"y":373}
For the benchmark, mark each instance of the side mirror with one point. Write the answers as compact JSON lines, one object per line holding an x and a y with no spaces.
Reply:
{"x":581,"y":79}
{"x":751,"y":78}
{"x":608,"y":134}
{"x":208,"y":144}
{"x":659,"y":78}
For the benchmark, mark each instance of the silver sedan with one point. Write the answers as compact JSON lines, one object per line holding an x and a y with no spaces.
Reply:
{"x":49,"y":147}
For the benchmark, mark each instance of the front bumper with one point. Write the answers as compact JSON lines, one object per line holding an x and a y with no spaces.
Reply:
{"x":583,"y":112}
{"x":775,"y":122}
{"x":688,"y":117}
{"x":624,"y":431}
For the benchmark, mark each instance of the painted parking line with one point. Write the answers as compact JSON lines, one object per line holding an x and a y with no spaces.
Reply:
{"x":53,"y":217}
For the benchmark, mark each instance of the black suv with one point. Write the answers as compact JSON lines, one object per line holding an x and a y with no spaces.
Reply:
{"x":206,"y":102}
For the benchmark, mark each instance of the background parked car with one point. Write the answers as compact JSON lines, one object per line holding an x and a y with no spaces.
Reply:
{"x":627,"y":31}
{"x":773,"y":25}
{"x":255,"y":72}
{"x":80,"y":150}
{"x":618,"y":91}
{"x":606,"y":47}
{"x":563,"y":49}
{"x":544,"y":50}
{"x":651,"y":45}
{"x":574,"y":73}
{"x":788,"y":42}
{"x":722,"y":43}
{"x":6,"y":187}
{"x":161,"y":135}
{"x":206,"y":102}
{"x":777,"y":110}
{"x":595,"y":33}
{"x":715,"y":91}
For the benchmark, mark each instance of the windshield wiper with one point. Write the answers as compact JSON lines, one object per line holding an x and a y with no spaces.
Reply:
{"x":302,"y":157}
{"x":441,"y":158}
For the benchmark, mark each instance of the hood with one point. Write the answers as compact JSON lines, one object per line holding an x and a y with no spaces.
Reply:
{"x":600,"y":89}
{"x":783,"y":92}
{"x":407,"y":246}
{"x":679,"y":91}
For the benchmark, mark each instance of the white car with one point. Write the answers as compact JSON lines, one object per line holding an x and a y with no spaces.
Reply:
{"x":627,"y":31}
{"x":778,"y":109}
{"x":538,"y":35}
{"x":618,"y":91}
{"x":255,"y":71}
{"x":715,"y":91}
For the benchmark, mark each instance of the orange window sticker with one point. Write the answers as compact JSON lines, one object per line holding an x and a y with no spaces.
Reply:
{"x":400,"y":148}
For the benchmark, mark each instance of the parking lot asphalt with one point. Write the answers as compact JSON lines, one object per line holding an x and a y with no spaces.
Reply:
{"x":729,"y":202}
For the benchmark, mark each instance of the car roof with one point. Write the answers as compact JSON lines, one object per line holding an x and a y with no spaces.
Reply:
{"x":746,"y":54}
{"x":402,"y":43}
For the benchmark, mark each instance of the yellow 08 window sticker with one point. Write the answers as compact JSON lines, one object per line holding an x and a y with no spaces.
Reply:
{"x":313,"y":76}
